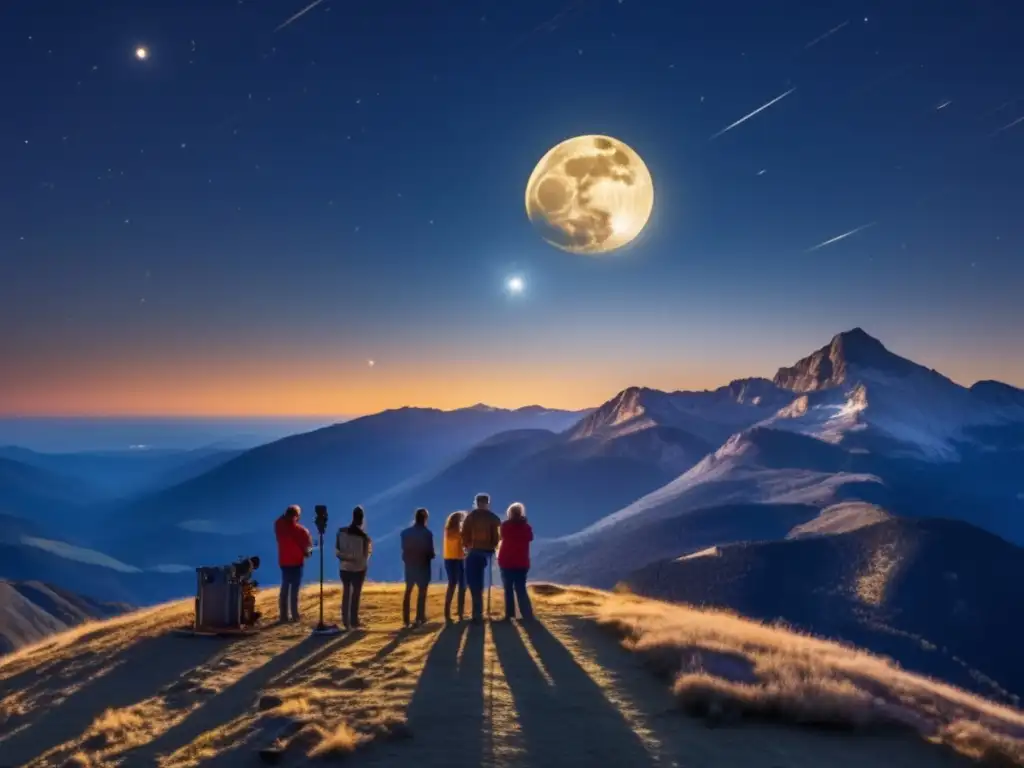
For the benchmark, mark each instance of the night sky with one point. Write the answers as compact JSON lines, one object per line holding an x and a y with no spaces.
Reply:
{"x":239,"y":222}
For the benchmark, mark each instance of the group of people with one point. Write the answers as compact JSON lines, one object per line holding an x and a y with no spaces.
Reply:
{"x":471,"y":541}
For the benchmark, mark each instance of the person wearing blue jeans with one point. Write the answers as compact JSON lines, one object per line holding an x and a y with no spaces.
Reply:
{"x":514,"y":581}
{"x":294,"y":545}
{"x":454,"y":565}
{"x":480,"y":537}
{"x":514,"y":561}
{"x":456,"y":572}
{"x":291,"y":585}
{"x":477,"y":562}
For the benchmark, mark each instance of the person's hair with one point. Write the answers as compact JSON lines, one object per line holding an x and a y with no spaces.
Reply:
{"x":293,"y":512}
{"x":483,"y":500}
{"x":358,"y":515}
{"x":516,"y":511}
{"x":421,"y":516}
{"x":454,"y":521}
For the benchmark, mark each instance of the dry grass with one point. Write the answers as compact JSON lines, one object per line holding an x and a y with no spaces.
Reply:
{"x":128,"y":692}
{"x":342,"y":740}
{"x":102,"y":633}
{"x":728,"y":668}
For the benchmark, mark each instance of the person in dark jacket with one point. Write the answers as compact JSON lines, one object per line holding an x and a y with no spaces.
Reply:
{"x":417,"y":554}
{"x":481,"y":532}
{"x":353,"y":548}
{"x":294,"y":545}
{"x":514,"y":561}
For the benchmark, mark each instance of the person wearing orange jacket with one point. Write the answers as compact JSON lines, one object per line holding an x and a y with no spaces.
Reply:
{"x":294,"y":545}
{"x":454,"y":565}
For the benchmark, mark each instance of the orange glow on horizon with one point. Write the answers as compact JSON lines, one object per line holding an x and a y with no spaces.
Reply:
{"x":295,"y":388}
{"x":374,"y":389}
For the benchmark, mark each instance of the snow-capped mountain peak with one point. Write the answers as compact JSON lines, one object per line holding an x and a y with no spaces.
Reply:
{"x":849,"y":355}
{"x":855,"y":391}
{"x":852,"y":391}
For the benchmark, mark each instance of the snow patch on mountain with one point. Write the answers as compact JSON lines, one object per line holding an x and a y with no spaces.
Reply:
{"x":855,"y":385}
{"x":709,"y":552}
{"x":78,"y":554}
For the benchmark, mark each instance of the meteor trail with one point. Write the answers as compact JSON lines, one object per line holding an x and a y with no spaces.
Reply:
{"x":1008,"y":126}
{"x":831,"y":32}
{"x":744,"y":119}
{"x":300,"y":14}
{"x":841,"y":237}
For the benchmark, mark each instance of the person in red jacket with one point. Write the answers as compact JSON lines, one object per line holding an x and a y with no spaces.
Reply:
{"x":514,"y":561}
{"x":294,"y":545}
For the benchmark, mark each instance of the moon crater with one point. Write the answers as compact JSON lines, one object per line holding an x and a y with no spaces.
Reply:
{"x":590,"y":194}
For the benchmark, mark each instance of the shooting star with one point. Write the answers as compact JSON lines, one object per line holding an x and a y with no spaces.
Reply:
{"x":744,"y":119}
{"x":300,"y":14}
{"x":841,"y":237}
{"x":1008,"y":126}
{"x":831,"y":32}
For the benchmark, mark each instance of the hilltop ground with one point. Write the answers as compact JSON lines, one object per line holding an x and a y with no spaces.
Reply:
{"x":561,"y":691}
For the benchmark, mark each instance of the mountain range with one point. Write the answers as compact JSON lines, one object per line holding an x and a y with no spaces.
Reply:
{"x":850,"y":435}
{"x":858,"y":423}
{"x":227,"y":511}
{"x":32,"y":610}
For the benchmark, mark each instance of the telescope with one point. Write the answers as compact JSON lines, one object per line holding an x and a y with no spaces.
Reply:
{"x":242,"y":570}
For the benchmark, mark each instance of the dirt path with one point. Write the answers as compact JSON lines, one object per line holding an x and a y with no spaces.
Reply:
{"x":556,"y":692}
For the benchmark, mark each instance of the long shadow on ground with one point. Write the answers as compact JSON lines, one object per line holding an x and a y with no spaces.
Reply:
{"x":239,"y":698}
{"x":450,"y":684}
{"x":141,"y":670}
{"x":568,"y":721}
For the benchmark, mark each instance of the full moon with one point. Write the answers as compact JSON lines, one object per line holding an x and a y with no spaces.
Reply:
{"x":141,"y":53}
{"x":590,"y":194}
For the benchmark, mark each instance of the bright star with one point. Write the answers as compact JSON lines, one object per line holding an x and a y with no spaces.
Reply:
{"x":141,"y":53}
{"x":515,"y":284}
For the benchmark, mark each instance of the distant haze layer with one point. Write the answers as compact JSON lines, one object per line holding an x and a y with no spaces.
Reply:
{"x":69,"y":435}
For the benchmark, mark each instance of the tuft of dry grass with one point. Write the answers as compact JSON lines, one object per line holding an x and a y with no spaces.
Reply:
{"x":341,"y":740}
{"x":728,"y":668}
{"x":79,"y":760}
{"x":983,"y":744}
{"x":117,"y":729}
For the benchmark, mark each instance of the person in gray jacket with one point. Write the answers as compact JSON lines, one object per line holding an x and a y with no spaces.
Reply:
{"x":417,"y":554}
{"x":353,"y":548}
